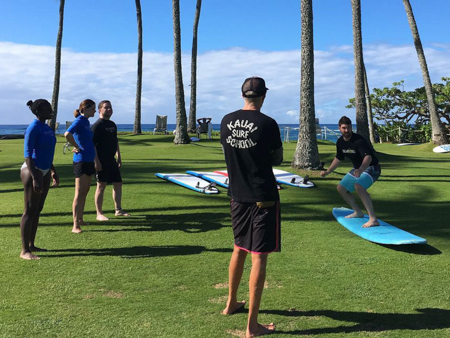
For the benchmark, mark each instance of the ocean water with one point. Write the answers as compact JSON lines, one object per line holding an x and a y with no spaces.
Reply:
{"x":289,"y":132}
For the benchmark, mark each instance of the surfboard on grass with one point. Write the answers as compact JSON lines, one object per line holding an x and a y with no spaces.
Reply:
{"x":407,"y":144}
{"x":385,"y":233}
{"x":191,"y":182}
{"x":444,"y":148}
{"x":219,"y":179}
{"x":225,"y":173}
{"x":294,"y":180}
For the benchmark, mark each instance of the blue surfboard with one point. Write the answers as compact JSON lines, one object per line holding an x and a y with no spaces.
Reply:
{"x":210,"y":176}
{"x":384,"y":234}
{"x":191,"y":182}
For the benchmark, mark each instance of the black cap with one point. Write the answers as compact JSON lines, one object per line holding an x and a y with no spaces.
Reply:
{"x":254,"y":86}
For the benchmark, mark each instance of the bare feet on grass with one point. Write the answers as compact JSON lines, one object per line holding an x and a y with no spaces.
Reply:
{"x":102,"y":218}
{"x":260,"y":330}
{"x":355,"y":215}
{"x":28,"y":256}
{"x":76,"y":229}
{"x":120,"y":212}
{"x":233,"y":308}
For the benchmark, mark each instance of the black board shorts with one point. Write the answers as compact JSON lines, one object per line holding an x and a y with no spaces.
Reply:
{"x":256,"y":230}
{"x":110,"y":172}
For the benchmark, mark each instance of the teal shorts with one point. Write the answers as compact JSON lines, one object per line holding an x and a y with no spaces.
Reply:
{"x":366,"y":179}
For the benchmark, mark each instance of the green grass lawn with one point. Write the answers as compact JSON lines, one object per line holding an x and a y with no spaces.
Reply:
{"x":163,"y":272}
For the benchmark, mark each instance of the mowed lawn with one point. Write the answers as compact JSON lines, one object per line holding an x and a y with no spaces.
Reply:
{"x":163,"y":272}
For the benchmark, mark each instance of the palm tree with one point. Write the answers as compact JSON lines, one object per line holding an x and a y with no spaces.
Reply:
{"x":137,"y":115}
{"x":438,"y":133}
{"x":181,"y":134}
{"x":56,"y":81}
{"x":193,"y":107}
{"x":307,"y":153}
{"x":369,"y":107}
{"x":360,"y":102}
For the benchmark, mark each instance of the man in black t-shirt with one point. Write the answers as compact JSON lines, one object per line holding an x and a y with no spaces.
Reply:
{"x":366,"y":170}
{"x":252,"y":144}
{"x":107,"y":147}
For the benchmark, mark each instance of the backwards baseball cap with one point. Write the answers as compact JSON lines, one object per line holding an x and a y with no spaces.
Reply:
{"x":254,"y":87}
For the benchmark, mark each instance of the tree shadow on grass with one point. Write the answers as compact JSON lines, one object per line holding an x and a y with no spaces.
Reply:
{"x":426,"y":319}
{"x":134,"y":251}
{"x":189,"y":223}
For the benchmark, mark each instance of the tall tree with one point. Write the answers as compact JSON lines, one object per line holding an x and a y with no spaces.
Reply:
{"x":181,"y":134}
{"x":369,"y":107}
{"x":361,"y":108}
{"x":438,"y":133}
{"x":137,"y":115}
{"x":193,"y":107}
{"x":307,"y":153}
{"x":55,"y":96}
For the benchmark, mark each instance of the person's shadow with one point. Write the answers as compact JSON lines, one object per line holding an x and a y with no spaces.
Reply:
{"x":426,"y":319}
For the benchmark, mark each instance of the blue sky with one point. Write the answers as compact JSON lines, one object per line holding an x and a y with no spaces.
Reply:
{"x":236,"y":39}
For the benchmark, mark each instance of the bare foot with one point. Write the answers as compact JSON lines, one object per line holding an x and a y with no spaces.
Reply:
{"x":120,"y":212}
{"x":371,"y":224}
{"x":36,"y":249}
{"x":76,"y":229}
{"x":261,"y":330}
{"x":101,"y":217}
{"x":355,"y":215}
{"x":28,"y":256}
{"x":232,"y":309}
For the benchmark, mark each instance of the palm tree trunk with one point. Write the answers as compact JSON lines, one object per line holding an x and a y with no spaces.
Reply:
{"x":369,"y":107}
{"x":181,"y":134}
{"x":137,"y":116}
{"x":438,"y":133}
{"x":307,"y":153}
{"x":193,"y":107}
{"x":360,"y":102}
{"x":55,"y":96}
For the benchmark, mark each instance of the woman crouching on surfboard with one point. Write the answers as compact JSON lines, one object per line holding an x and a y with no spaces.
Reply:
{"x":366,"y":170}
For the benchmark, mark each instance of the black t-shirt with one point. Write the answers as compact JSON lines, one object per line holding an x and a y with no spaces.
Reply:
{"x":248,"y":137}
{"x":355,"y":149}
{"x":105,"y":139}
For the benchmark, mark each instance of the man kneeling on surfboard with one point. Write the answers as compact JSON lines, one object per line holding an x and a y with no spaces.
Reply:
{"x":366,"y":170}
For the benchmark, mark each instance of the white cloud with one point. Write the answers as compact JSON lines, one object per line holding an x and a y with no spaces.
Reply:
{"x":28,"y":71}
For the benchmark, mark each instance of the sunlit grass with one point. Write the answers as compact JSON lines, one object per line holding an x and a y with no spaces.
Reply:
{"x":163,"y":272}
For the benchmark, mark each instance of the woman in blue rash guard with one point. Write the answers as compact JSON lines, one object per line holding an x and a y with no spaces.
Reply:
{"x":85,"y":160}
{"x":36,"y":173}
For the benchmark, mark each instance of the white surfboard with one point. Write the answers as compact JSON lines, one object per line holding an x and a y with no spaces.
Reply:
{"x":294,"y":180}
{"x":407,"y":144}
{"x":444,"y":148}
{"x":210,"y":176}
{"x":191,"y":182}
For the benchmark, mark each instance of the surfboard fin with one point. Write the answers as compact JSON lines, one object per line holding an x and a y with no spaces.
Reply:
{"x":306,"y":179}
{"x":293,"y":180}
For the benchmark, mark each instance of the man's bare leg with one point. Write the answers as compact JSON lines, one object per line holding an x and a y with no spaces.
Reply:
{"x":234,"y":275}
{"x":99,"y":193}
{"x":256,"y":286}
{"x":117,"y":197}
{"x":367,"y":201}
{"x":348,"y":197}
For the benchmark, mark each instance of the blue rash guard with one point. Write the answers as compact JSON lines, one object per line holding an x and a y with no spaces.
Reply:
{"x":39,"y":144}
{"x":81,"y":131}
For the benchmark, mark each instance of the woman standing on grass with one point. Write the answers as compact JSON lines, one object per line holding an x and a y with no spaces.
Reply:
{"x":36,"y":172}
{"x":85,"y":160}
